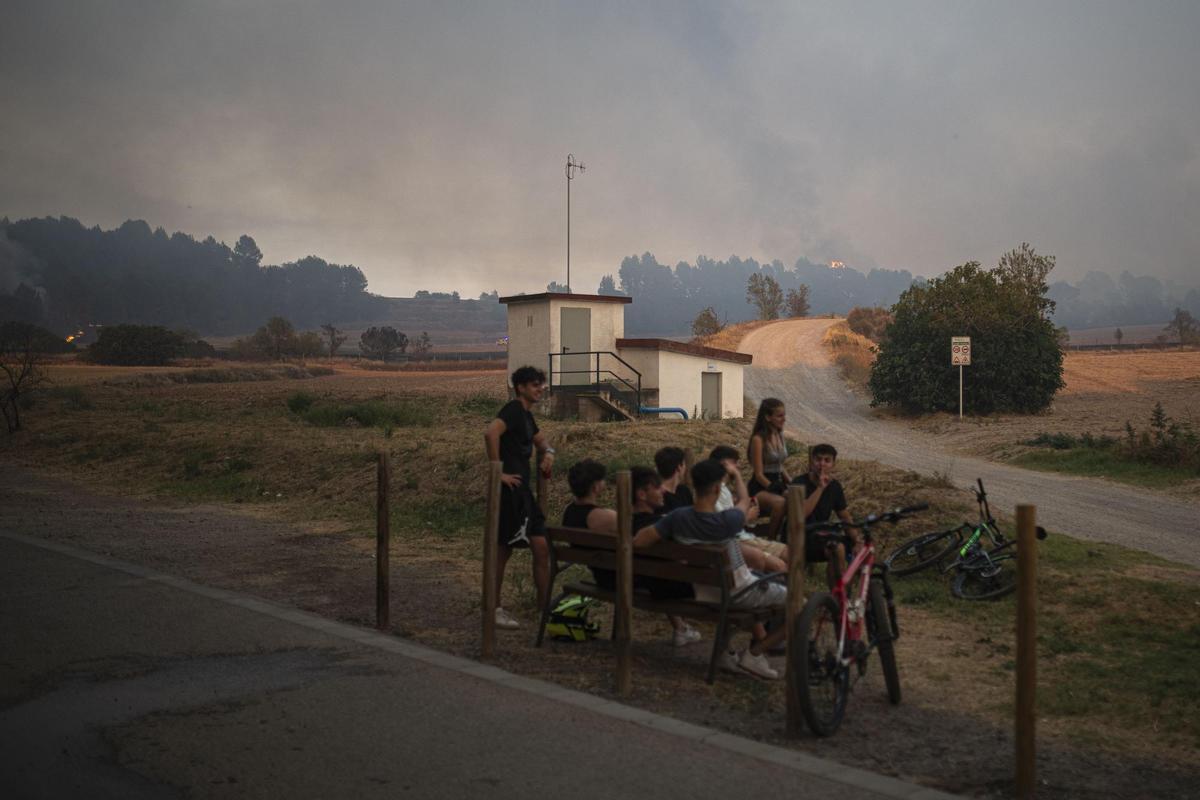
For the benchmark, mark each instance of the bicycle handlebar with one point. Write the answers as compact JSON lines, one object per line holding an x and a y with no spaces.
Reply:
{"x":895,"y":515}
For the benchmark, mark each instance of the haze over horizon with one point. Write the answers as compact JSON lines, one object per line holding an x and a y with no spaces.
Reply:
{"x":425,"y":143}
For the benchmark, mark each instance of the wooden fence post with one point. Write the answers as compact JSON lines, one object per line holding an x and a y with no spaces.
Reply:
{"x":796,"y":649}
{"x":383,"y":537}
{"x":624,"y":609}
{"x":1026,"y":716}
{"x":491,"y":536}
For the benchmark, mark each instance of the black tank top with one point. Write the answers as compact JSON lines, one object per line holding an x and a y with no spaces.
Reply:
{"x":575,"y":515}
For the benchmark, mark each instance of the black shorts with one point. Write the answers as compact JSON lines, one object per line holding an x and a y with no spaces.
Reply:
{"x":521,"y":517}
{"x":776,"y":485}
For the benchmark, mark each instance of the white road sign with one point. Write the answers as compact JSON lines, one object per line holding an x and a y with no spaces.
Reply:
{"x":960,"y":351}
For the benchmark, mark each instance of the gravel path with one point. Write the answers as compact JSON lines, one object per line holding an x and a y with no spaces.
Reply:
{"x":791,"y":363}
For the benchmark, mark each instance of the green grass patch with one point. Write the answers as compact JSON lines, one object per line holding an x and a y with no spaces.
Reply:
{"x":450,"y":519}
{"x":1104,"y":463}
{"x":480,"y":404}
{"x":370,"y":414}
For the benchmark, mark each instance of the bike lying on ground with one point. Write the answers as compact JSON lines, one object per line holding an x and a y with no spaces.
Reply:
{"x":981,"y":573}
{"x":842,"y":631}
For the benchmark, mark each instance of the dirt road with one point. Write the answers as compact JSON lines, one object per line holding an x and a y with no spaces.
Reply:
{"x":791,"y":363}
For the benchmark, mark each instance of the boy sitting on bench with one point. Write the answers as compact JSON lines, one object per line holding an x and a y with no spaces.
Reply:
{"x":703,"y":524}
{"x":586,"y":479}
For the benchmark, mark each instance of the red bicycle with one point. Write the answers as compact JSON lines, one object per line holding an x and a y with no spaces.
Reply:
{"x":844,"y":626}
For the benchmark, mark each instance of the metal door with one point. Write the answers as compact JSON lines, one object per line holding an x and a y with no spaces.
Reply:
{"x":575,"y":332}
{"x":710,"y":395}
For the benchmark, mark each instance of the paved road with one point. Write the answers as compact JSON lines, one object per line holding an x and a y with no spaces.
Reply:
{"x":791,"y":363}
{"x":117,"y":682}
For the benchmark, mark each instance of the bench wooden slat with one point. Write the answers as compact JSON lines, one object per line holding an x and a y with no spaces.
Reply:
{"x":651,"y":567}
{"x":701,"y":555}
{"x":692,"y":609}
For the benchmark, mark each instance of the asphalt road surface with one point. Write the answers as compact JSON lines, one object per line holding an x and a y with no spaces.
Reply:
{"x":791,"y":363}
{"x":117,"y":682}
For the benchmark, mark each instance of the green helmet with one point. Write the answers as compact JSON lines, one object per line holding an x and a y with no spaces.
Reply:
{"x":569,"y":619}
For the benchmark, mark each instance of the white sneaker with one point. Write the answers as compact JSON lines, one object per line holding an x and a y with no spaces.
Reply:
{"x":728,"y":661}
{"x":757,"y":665}
{"x":685,"y":636}
{"x":506,"y":621}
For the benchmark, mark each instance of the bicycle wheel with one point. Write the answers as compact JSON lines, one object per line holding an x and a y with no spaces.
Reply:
{"x":986,"y":578}
{"x":923,"y":551}
{"x":879,"y":628}
{"x":824,"y":683}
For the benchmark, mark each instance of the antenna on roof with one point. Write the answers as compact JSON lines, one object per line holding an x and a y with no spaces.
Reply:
{"x":572,"y":166}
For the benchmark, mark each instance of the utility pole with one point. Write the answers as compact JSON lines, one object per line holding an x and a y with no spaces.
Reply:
{"x":572,"y":166}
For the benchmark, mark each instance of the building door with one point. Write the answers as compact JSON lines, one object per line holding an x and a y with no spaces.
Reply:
{"x":710,"y":395}
{"x":575,"y":334}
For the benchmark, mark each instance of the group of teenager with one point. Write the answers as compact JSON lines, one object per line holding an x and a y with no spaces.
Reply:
{"x":716,"y":509}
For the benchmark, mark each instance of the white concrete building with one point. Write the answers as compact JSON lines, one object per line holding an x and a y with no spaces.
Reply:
{"x":595,"y":372}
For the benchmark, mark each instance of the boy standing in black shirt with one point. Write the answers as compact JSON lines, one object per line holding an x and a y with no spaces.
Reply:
{"x":510,"y":438}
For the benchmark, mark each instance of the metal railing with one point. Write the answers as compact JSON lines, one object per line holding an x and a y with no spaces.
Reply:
{"x":595,"y":371}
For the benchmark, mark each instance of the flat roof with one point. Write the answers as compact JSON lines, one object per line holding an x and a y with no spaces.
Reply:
{"x":587,"y":298}
{"x":685,"y":348}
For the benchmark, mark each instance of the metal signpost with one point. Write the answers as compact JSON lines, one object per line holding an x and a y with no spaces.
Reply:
{"x":960,"y":356}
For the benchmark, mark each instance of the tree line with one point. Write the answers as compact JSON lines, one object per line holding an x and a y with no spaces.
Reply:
{"x":61,"y":275}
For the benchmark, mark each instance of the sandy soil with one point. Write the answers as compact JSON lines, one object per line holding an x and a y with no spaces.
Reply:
{"x":790,"y":363}
{"x":936,"y":737}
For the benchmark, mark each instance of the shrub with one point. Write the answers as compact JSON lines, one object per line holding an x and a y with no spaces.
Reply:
{"x":136,"y":345}
{"x":1016,"y":359}
{"x":869,"y":322}
{"x":300,"y":402}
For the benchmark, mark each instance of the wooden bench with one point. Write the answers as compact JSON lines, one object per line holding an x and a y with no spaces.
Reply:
{"x":699,"y":565}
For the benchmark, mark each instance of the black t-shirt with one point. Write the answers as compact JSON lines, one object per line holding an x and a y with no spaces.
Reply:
{"x":516,"y":443}
{"x":576,"y":514}
{"x":832,"y":498}
{"x":644,"y":519}
{"x":682,"y":496}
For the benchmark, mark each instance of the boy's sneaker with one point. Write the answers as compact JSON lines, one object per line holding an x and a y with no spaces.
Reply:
{"x":506,"y":621}
{"x":685,"y":636}
{"x":728,"y":661}
{"x":757,"y":665}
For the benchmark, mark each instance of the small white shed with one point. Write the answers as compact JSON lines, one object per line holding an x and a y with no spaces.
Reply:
{"x":594,"y":370}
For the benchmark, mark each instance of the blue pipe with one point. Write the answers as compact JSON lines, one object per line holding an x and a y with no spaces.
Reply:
{"x":654,"y":410}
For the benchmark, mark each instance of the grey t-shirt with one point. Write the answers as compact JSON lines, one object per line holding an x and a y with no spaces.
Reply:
{"x":689,"y":526}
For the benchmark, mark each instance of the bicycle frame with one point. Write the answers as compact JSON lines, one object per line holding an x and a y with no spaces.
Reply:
{"x":864,"y":561}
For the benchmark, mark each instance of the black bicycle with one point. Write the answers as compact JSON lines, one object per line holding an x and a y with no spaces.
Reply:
{"x":984,"y":561}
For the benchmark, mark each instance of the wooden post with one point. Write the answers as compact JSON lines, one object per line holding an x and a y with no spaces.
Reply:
{"x":689,"y":461}
{"x":491,"y":544}
{"x":796,"y":649}
{"x":624,"y":609}
{"x":1026,"y":716}
{"x":383,"y":537}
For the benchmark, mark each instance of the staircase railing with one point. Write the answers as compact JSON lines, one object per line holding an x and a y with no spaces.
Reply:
{"x":595,"y":370}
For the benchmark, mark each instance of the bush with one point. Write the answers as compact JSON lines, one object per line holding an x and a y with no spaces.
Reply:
{"x":1016,"y":360}
{"x":869,"y":322}
{"x":136,"y":345}
{"x":300,"y":402}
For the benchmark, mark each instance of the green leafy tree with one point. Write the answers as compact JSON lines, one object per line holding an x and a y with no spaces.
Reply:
{"x":381,"y":342}
{"x":422,"y":344}
{"x":763,"y":292}
{"x":334,"y":338}
{"x":797,"y":301}
{"x":277,"y":338}
{"x":706,"y":323}
{"x":1184,"y":326}
{"x":1016,"y":358}
{"x":309,"y":344}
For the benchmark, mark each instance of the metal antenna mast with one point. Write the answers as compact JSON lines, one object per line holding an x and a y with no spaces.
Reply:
{"x":572,"y":166}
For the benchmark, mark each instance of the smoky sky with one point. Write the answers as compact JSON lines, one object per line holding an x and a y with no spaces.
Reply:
{"x":425,"y":142}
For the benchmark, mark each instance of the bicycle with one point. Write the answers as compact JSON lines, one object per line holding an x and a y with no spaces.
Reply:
{"x":842,"y":632}
{"x":982,"y":573}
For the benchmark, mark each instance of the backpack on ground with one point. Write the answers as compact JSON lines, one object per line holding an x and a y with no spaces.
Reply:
{"x":569,"y":619}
